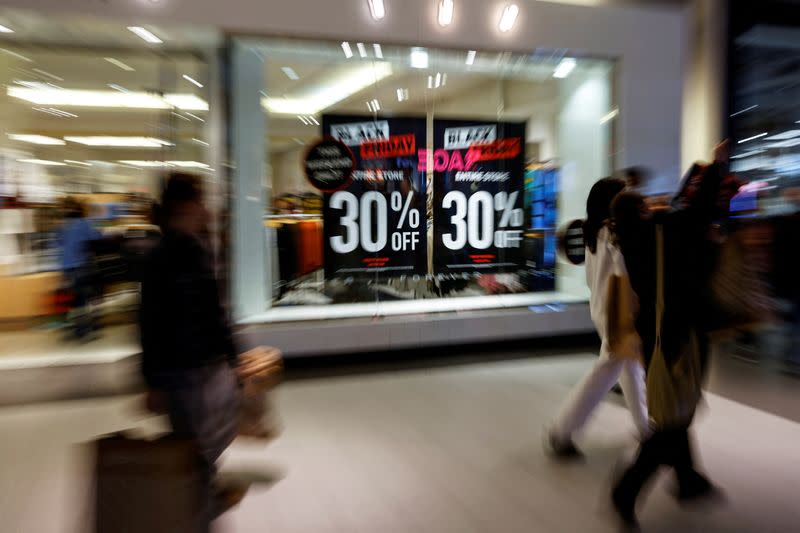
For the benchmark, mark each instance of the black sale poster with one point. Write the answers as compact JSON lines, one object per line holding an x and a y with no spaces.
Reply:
{"x":478,"y":191}
{"x":375,"y":226}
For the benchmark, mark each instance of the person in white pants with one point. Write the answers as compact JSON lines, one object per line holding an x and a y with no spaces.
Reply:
{"x":618,"y":362}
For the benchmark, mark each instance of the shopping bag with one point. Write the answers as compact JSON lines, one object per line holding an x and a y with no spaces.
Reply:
{"x":259,"y":370}
{"x":673,"y":388}
{"x":623,"y":339}
{"x":145,"y":486}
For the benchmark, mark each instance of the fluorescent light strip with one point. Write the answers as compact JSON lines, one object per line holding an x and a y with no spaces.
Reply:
{"x":748,"y":154}
{"x":745,"y":110}
{"x":81,"y":163}
{"x":36,"y":139}
{"x":108,"y":99}
{"x":430,"y":82}
{"x":376,"y":105}
{"x":145,"y":34}
{"x":508,"y":18}
{"x":43,"y":162}
{"x":181,"y":116}
{"x":377,"y":9}
{"x":791,"y":134}
{"x":5,"y":29}
{"x":378,"y":51}
{"x":471,"y":57}
{"x":192,"y":80}
{"x":446,"y":8}
{"x":120,"y":64}
{"x":47,"y":74}
{"x":303,"y":119}
{"x":402,"y":95}
{"x":564,"y":68}
{"x":610,"y":116}
{"x":348,"y":52}
{"x":194,"y":116}
{"x":164,"y":164}
{"x":290,"y":73}
{"x":18,"y":56}
{"x":119,"y":142}
{"x":116,"y":87}
{"x":344,"y":86}
{"x":438,"y":81}
{"x":198,"y":141}
{"x":312,"y":120}
{"x":754,"y":137}
{"x":362,"y":50}
{"x":55,"y":112}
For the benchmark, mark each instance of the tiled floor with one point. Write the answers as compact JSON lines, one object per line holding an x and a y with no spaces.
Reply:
{"x":454,"y":449}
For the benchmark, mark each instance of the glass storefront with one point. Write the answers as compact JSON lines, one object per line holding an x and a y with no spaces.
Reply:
{"x":410,"y":177}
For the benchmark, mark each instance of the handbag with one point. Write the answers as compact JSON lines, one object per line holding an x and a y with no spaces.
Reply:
{"x":259,"y":371}
{"x":623,"y":339}
{"x":673,"y":390}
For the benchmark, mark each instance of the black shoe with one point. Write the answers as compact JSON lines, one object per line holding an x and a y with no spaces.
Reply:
{"x":562,"y":449}
{"x":700,"y":490}
{"x":624,"y":511}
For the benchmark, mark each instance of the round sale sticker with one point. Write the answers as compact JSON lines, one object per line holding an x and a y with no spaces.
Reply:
{"x":571,"y":243}
{"x":329,"y":165}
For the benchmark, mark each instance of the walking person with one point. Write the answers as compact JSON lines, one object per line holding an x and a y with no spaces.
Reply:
{"x":620,"y":351}
{"x":669,"y":258}
{"x":188,"y":357}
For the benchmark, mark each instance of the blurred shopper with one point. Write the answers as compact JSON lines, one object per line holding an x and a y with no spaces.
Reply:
{"x":188,"y":355}
{"x":75,"y":240}
{"x":687,"y":265}
{"x":612,"y":305}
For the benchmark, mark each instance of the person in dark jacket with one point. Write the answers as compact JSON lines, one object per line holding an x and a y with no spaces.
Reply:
{"x":188,"y":356}
{"x":689,"y":259}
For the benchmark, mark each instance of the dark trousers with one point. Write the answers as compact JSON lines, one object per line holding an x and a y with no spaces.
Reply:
{"x":81,"y":284}
{"x":669,"y":448}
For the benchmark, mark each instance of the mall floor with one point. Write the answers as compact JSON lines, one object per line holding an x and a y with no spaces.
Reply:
{"x":452,"y":446}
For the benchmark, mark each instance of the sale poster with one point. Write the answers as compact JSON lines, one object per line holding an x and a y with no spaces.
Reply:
{"x":375,"y":225}
{"x":479,"y":210}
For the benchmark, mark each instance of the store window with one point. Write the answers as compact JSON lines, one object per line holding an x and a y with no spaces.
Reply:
{"x":87,"y":136}
{"x":420,"y":179}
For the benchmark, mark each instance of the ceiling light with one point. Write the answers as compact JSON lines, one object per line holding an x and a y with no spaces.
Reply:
{"x":163,"y":164}
{"x":44,"y":162}
{"x":145,"y":34}
{"x":110,"y":99}
{"x":376,"y":105}
{"x":377,"y":9}
{"x":290,"y":73}
{"x":348,"y":52}
{"x":419,"y":58}
{"x":55,"y":112}
{"x":145,"y":164}
{"x":430,"y":82}
{"x":5,"y":29}
{"x":303,"y":119}
{"x":192,"y":80}
{"x":785,"y":144}
{"x":194,"y":116}
{"x":119,"y":142}
{"x":345,"y":85}
{"x":181,"y":116}
{"x":438,"y":82}
{"x":312,"y":120}
{"x":791,"y":134}
{"x":610,"y":116}
{"x":36,"y":139}
{"x":564,"y":68}
{"x":116,"y":87}
{"x":754,"y":137}
{"x":81,"y":163}
{"x":18,"y":56}
{"x":362,"y":50}
{"x":378,"y":51}
{"x":402,"y":95}
{"x":748,"y":154}
{"x":120,"y":64}
{"x":199,"y":141}
{"x":32,"y":84}
{"x":47,"y":74}
{"x":471,"y":57}
{"x":188,"y":164}
{"x":508,"y":18}
{"x":745,"y":110}
{"x":446,"y":12}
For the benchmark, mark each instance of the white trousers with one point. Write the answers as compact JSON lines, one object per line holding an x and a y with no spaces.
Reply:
{"x":588,"y":394}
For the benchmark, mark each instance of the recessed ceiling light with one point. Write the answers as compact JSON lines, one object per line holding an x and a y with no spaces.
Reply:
{"x":192,"y":80}
{"x":419,"y":58}
{"x":348,"y":52}
{"x":290,"y":73}
{"x":402,"y":94}
{"x":362,"y":50}
{"x":120,"y":64}
{"x":471,"y":57}
{"x":378,"y":51}
{"x":44,"y":162}
{"x":377,"y":9}
{"x":446,"y":8}
{"x":5,"y":29}
{"x":145,"y":34}
{"x":564,"y":68}
{"x":438,"y":81}
{"x":125,"y":142}
{"x":508,"y":18}
{"x":36,"y":139}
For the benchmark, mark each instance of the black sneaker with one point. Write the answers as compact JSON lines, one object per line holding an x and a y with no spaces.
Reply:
{"x":624,"y":511}
{"x":561,"y":449}
{"x":701,"y":490}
